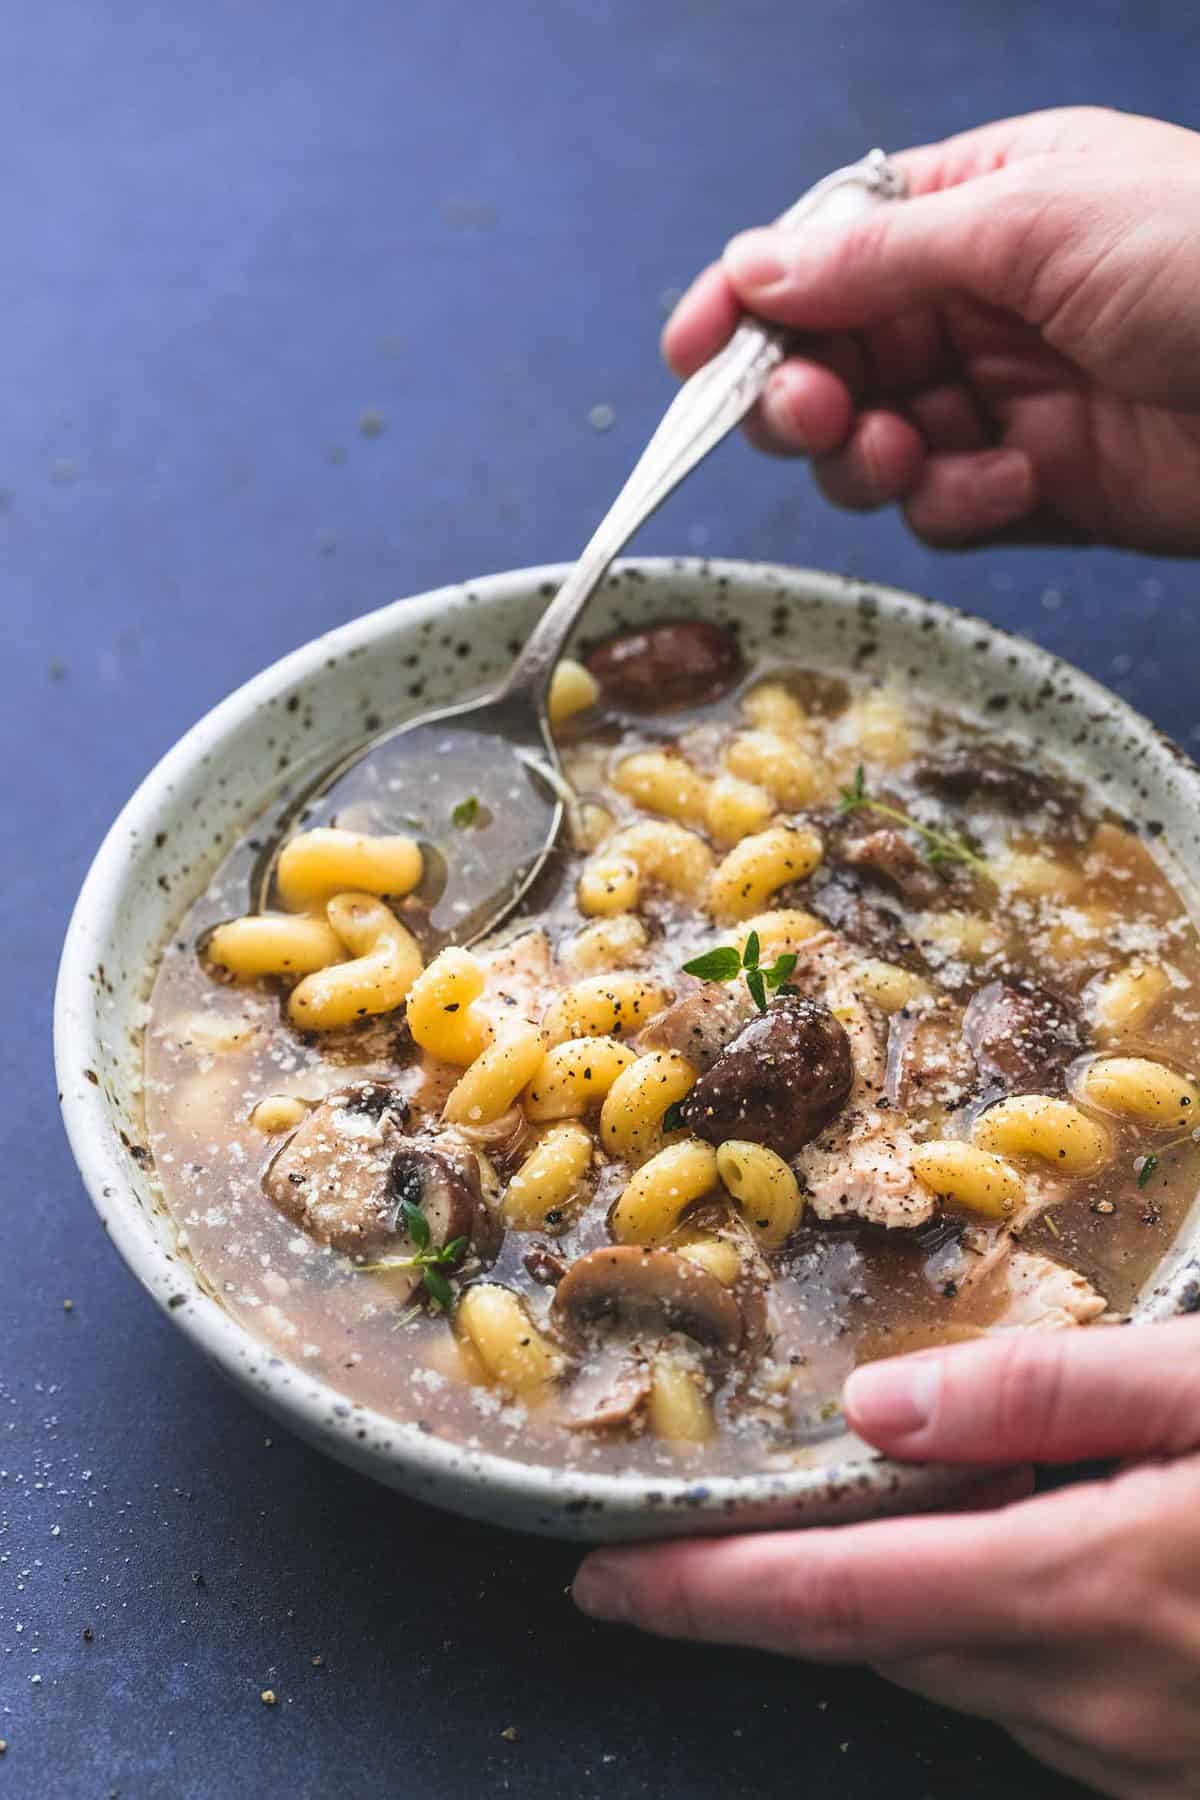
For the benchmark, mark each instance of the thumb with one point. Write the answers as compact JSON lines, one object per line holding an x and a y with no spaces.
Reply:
{"x":1039,"y":1397}
{"x":988,"y":237}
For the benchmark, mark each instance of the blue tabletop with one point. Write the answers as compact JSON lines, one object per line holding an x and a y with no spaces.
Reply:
{"x":306,"y":306}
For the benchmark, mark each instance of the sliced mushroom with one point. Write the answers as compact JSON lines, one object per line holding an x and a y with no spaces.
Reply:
{"x":680,"y":662}
{"x":887,"y":854}
{"x":544,"y":1265}
{"x":611,"y":1389}
{"x":927,"y":1062}
{"x":445,"y":1185}
{"x":331,"y":1174}
{"x":991,"y":774}
{"x":700,"y":1024}
{"x":1022,"y":1037}
{"x":651,"y":1293}
{"x":781,"y":1081}
{"x":842,"y":901}
{"x":344,"y":1172}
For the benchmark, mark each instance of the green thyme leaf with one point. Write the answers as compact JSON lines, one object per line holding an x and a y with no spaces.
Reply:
{"x":780,"y":969}
{"x":722,"y":964}
{"x":453,"y":1251}
{"x":438,"y":1288}
{"x":1149,"y":1164}
{"x":937,"y":847}
{"x":466,"y":812}
{"x":750,"y":953}
{"x":758,"y":988}
{"x":855,"y":796}
{"x":417,"y":1224}
{"x":672,"y":1119}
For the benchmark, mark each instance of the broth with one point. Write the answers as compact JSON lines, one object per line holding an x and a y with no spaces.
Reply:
{"x":983,"y":957}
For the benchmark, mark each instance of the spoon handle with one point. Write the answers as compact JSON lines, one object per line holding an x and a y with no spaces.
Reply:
{"x":706,"y":409}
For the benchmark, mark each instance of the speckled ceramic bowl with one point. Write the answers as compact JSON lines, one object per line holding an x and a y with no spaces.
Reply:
{"x":316,"y":703}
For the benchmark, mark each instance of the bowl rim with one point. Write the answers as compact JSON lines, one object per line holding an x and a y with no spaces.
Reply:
{"x":315,"y":1407}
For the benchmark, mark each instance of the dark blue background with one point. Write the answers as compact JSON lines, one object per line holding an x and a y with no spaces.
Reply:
{"x":228,"y":229}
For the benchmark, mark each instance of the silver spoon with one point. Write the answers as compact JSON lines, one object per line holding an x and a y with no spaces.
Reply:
{"x":479,"y":783}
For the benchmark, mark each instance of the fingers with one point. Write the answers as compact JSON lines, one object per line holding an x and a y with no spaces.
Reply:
{"x":806,"y":410}
{"x":701,"y":323}
{"x":881,"y":462}
{"x":1050,"y":1397}
{"x":894,"y":259}
{"x":897,"y":1587}
{"x":967,"y":499}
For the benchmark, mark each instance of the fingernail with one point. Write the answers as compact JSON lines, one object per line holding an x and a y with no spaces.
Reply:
{"x":753,"y":260}
{"x":599,"y":1590}
{"x":1004,"y":479}
{"x":893,"y":1399}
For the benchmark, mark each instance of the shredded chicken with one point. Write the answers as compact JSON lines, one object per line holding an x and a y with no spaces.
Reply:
{"x":520,"y":978}
{"x":860,"y":1167}
{"x":1045,"y":1296}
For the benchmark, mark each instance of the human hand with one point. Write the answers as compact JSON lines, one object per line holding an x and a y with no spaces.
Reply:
{"x":1072,"y":1619}
{"x":1013,"y":352}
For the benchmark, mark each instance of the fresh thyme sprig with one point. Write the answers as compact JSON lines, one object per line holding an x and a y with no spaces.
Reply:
{"x":724,"y":964}
{"x":939,"y":846}
{"x":429,"y":1258}
{"x":1146,"y":1165}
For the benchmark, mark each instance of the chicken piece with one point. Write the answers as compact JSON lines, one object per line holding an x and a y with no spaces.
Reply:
{"x":1044,"y":1296}
{"x":826,"y":970}
{"x":332,"y":1174}
{"x":862,"y":1169}
{"x":519,"y":976}
{"x":859,"y":1167}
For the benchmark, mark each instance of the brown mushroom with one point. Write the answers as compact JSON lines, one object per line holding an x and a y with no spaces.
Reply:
{"x":992,"y":775}
{"x":331,"y":1175}
{"x":677,"y":663}
{"x":784,"y":1077}
{"x":886,"y":854}
{"x":651,"y":1292}
{"x":610,"y":1389}
{"x":445,"y":1184}
{"x":842,"y":901}
{"x":700,"y":1024}
{"x":344,"y":1172}
{"x":1022,"y":1037}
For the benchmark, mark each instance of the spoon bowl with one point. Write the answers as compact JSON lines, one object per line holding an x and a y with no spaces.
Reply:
{"x":476,"y":784}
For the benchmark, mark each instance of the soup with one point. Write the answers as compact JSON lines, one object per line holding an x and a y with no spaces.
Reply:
{"x":836,"y":1027}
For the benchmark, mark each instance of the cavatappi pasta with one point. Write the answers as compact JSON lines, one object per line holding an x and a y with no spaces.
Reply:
{"x":936,"y":1074}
